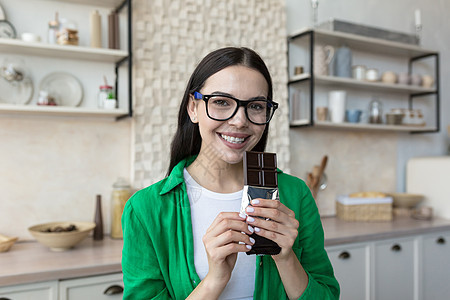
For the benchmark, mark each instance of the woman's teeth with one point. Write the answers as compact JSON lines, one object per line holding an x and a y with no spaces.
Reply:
{"x":232,"y":139}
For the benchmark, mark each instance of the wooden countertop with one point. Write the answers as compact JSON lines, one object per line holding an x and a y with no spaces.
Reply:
{"x":341,"y":232}
{"x":29,"y":262}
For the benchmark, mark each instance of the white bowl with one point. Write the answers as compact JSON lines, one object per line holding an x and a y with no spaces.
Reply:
{"x":61,"y":241}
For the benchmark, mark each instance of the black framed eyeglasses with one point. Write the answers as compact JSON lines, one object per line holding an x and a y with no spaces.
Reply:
{"x":220,"y":107}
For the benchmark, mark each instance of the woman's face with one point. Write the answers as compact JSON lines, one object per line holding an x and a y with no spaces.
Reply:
{"x":228,"y":140}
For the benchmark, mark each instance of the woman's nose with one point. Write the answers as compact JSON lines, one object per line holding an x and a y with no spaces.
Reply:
{"x":239,"y":119}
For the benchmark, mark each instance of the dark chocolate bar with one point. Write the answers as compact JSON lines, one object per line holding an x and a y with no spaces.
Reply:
{"x":260,"y":169}
{"x":260,"y":179}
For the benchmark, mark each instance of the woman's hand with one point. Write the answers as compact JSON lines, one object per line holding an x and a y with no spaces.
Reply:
{"x":281,"y":228}
{"x":221,"y":242}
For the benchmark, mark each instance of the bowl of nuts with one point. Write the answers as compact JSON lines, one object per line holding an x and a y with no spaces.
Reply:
{"x":61,"y":236}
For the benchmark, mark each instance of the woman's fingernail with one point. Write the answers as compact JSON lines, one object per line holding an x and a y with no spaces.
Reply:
{"x":252,"y":240}
{"x":257,"y":229}
{"x":242,"y":215}
{"x":250,"y":219}
{"x":248,"y":247}
{"x":250,"y":209}
{"x":255,"y":201}
{"x":250,"y":228}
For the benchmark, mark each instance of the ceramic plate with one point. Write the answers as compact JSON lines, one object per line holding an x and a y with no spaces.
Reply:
{"x":64,"y":88}
{"x":16,"y":92}
{"x":2,"y":14}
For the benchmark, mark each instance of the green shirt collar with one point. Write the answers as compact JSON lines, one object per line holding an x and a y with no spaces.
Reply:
{"x":176,"y":175}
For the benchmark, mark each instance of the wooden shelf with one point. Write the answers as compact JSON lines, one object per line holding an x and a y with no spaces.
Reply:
{"x":61,"y":111}
{"x":373,"y":45}
{"x":358,"y":84}
{"x":364,"y":126}
{"x":58,"y":51}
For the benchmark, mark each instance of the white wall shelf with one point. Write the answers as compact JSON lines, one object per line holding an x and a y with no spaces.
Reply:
{"x":105,"y":3}
{"x":364,"y":85}
{"x":59,"y":51}
{"x":61,"y":111}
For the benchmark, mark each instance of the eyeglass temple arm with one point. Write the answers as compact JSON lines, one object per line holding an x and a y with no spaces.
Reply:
{"x":198,"y":96}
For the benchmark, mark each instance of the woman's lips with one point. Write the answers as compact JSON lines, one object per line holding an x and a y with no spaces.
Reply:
{"x":235,"y":141}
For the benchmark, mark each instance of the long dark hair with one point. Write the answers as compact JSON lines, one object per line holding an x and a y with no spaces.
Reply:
{"x":187,"y":139}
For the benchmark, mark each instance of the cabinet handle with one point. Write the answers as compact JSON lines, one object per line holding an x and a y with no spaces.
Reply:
{"x":3,"y":298}
{"x":344,"y":255}
{"x":113,"y":290}
{"x":396,"y":248}
{"x":440,"y":240}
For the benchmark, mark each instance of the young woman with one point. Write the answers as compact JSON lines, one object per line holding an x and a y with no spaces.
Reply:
{"x":184,"y":236}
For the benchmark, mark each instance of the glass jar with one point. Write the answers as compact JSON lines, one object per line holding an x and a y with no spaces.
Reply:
{"x":120,"y":195}
{"x":105,"y":92}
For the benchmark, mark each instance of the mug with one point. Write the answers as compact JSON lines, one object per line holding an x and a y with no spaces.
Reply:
{"x":322,"y":58}
{"x":353,"y":115}
{"x":322,"y":113}
{"x":336,"y":105}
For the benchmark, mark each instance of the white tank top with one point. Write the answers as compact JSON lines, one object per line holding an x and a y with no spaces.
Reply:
{"x":205,"y":206}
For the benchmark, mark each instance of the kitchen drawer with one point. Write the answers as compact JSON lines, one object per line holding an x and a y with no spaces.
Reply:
{"x":105,"y":287}
{"x":395,"y":265}
{"x":435,"y":264}
{"x":351,"y":268}
{"x":36,"y":291}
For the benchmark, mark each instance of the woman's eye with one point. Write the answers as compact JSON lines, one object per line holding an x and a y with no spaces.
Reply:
{"x":221,"y":101}
{"x":257,"y":106}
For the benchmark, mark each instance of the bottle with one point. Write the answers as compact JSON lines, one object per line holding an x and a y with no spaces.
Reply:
{"x":120,"y":195}
{"x":53,"y":29}
{"x":375,"y":111}
{"x":105,"y":92}
{"x":96,"y":29}
{"x":98,"y":219}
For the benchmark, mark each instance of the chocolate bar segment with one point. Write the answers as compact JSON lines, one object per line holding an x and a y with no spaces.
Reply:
{"x":260,"y":169}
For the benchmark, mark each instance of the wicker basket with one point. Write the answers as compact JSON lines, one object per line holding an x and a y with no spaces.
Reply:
{"x":364,"y":209}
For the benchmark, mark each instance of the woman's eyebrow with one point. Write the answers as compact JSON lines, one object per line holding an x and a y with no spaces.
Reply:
{"x":229,"y":95}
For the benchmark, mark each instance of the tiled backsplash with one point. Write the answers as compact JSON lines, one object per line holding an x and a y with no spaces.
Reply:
{"x":170,"y":38}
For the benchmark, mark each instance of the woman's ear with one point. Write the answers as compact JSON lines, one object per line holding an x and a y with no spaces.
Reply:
{"x":192,"y":109}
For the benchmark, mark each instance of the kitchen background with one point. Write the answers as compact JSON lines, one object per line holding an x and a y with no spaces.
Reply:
{"x":53,"y":166}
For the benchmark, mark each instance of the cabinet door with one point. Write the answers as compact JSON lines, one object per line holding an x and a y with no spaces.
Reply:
{"x":436,"y":266}
{"x":96,"y":287}
{"x":35,"y":291}
{"x":394,"y":269}
{"x":351,"y":268}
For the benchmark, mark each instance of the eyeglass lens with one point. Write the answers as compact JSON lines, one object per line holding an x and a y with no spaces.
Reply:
{"x":223,"y":108}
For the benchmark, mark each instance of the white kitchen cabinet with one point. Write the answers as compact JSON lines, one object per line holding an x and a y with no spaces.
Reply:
{"x":94,"y":287}
{"x":394,"y":269}
{"x":36,"y":291}
{"x":307,"y":91}
{"x":88,"y":65}
{"x":436,"y":266}
{"x":414,"y":267}
{"x":351,"y":267}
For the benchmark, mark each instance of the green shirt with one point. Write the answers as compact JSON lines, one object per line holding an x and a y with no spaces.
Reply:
{"x":158,"y":250}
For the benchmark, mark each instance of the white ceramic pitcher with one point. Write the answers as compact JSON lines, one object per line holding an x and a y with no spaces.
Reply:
{"x":323,"y":55}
